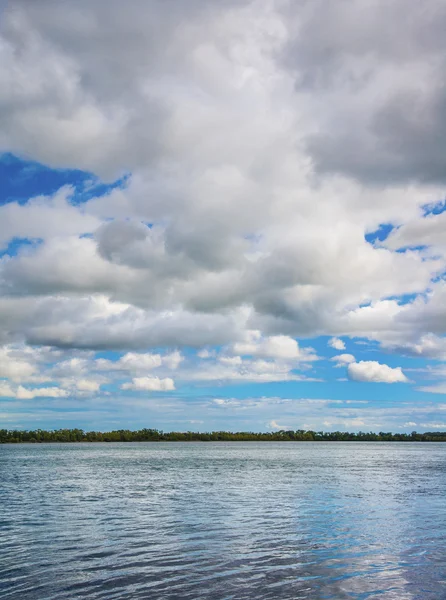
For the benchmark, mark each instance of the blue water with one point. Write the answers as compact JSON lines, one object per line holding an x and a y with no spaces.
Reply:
{"x":223,"y":521}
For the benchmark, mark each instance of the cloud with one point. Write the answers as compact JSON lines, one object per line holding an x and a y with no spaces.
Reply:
{"x":15,"y":366}
{"x":346,"y":424}
{"x":196,"y":235}
{"x":23,"y":393}
{"x":149,"y":384}
{"x":439,"y":388}
{"x":140,"y":363}
{"x":389,"y":91}
{"x":372,"y":371}
{"x":336,"y":343}
{"x":238,"y":370}
{"x":274,"y":425}
{"x":343,"y":359}
{"x":45,"y":218}
{"x":275,"y":346}
{"x":88,"y":385}
{"x":6,"y":390}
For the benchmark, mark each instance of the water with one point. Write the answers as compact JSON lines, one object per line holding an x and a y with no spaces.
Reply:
{"x":223,"y":521}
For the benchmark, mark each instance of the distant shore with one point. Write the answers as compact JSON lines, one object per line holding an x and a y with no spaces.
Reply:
{"x":39,"y":436}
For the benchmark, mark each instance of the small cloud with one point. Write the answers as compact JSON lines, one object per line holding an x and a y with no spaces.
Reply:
{"x":439,"y":388}
{"x":205,"y":353}
{"x":343,"y":359}
{"x":409,"y":424}
{"x":173,"y":360}
{"x":231,"y":360}
{"x":336,"y":343}
{"x":375,"y":372}
{"x":276,"y":426}
{"x":150,"y":384}
{"x":51,"y":392}
{"x":281,"y":347}
{"x":88,"y":385}
{"x":226,"y":402}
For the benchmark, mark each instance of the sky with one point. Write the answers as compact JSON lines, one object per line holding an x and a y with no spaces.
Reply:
{"x":223,"y":215}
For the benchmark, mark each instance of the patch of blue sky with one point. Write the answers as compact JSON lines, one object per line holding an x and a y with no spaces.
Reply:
{"x":17,"y":245}
{"x":438,"y":278}
{"x":435,"y":208}
{"x":405,"y":298}
{"x":380,"y":234}
{"x":413,"y":248}
{"x":22,"y":179}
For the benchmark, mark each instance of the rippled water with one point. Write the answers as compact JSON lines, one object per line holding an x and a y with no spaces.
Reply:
{"x":223,"y":521}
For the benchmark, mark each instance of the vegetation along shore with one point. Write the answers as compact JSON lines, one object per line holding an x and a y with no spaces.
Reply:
{"x":155,"y":435}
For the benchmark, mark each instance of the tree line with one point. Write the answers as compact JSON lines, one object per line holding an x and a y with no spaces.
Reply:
{"x":154,"y":435}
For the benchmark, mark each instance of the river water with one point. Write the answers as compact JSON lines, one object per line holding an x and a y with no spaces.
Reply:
{"x":223,"y":521}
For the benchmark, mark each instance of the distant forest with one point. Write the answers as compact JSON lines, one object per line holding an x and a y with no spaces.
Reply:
{"x":154,"y":435}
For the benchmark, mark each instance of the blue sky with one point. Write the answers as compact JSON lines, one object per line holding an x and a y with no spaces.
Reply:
{"x":239,"y":233}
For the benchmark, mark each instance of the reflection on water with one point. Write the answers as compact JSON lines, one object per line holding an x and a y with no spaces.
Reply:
{"x":223,"y":521}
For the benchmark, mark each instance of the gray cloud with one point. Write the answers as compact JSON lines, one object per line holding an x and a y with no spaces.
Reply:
{"x":377,"y":75}
{"x":265,"y":141}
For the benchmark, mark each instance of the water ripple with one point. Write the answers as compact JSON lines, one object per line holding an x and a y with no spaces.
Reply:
{"x":223,"y":521}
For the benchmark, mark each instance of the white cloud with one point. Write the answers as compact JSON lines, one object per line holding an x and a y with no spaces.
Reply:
{"x":173,"y":360}
{"x":439,"y":388}
{"x":236,"y":369}
{"x":206,"y":353}
{"x":134,"y":362}
{"x":150,"y":384}
{"x":45,"y":218}
{"x":347,"y":423}
{"x":274,"y":346}
{"x":274,"y":425}
{"x":226,"y":402}
{"x":23,"y":393}
{"x":336,"y":343}
{"x":88,"y":385}
{"x":343,"y":359}
{"x":16,"y":366}
{"x":372,"y":371}
{"x":6,"y":390}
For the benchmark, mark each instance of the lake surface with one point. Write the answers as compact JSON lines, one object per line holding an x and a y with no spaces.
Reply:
{"x":223,"y":521}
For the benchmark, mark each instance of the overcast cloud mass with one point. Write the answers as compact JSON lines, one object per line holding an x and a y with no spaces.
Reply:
{"x":223,"y":215}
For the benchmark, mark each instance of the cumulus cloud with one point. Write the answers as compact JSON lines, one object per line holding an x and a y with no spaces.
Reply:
{"x":226,"y":226}
{"x":372,"y":371}
{"x":23,"y":393}
{"x":388,"y":90}
{"x":336,"y":343}
{"x":6,"y":390}
{"x":149,"y":384}
{"x":343,"y":359}
{"x":274,"y":425}
{"x":274,"y":346}
{"x":88,"y":385}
